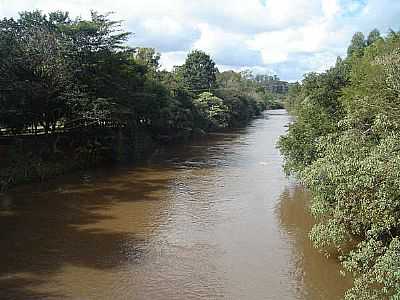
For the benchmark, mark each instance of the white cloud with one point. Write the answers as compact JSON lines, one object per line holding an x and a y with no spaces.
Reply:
{"x":277,"y":46}
{"x":170,"y":59}
{"x":289,"y":37}
{"x":227,"y":48}
{"x":330,"y":8}
{"x":164,"y":33}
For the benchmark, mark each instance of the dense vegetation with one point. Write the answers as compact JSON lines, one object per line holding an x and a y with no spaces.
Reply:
{"x":344,"y":146}
{"x":59,"y":74}
{"x":55,"y":69}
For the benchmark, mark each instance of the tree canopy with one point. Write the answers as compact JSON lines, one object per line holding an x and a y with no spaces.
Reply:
{"x":199,"y":72}
{"x":55,"y":69}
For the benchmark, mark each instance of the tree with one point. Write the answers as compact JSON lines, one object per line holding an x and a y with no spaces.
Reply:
{"x":344,"y":147}
{"x":149,"y":58}
{"x":36,"y":77}
{"x":293,"y":98}
{"x":104,"y":68}
{"x":318,"y":110}
{"x":245,"y":95}
{"x":211,"y":110}
{"x":357,"y":45}
{"x":54,"y":68}
{"x":199,"y":72}
{"x":373,"y":36}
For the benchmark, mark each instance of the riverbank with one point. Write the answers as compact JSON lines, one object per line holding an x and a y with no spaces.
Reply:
{"x":40,"y":158}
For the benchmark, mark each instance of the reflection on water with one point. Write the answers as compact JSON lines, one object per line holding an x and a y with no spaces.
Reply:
{"x":214,"y":219}
{"x":317,"y":275}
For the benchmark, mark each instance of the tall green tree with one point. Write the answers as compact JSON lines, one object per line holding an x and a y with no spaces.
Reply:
{"x":36,"y":76}
{"x":199,"y":72}
{"x":357,"y":45}
{"x":373,"y":36}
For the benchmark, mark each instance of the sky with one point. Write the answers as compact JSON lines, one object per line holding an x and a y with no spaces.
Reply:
{"x":284,"y":37}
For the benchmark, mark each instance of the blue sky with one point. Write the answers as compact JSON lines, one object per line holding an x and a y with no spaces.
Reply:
{"x":284,"y":37}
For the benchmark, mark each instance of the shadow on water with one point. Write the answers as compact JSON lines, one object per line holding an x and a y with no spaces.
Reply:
{"x":318,"y":274}
{"x":74,"y":224}
{"x":98,"y":220}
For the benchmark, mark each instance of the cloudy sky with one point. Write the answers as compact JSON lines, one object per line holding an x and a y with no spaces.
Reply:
{"x":284,"y":37}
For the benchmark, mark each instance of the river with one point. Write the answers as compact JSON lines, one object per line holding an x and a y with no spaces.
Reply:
{"x":212,"y":219}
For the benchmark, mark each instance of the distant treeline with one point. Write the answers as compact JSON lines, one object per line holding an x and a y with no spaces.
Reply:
{"x":55,"y":70}
{"x":344,"y":145}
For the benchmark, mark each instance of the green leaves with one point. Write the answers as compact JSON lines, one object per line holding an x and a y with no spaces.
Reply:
{"x":54,"y":68}
{"x":212,"y":111}
{"x":357,"y":45}
{"x":199,"y":72}
{"x":344,"y":146}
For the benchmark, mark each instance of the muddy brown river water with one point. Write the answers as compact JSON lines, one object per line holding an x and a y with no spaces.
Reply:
{"x":213,"y":219}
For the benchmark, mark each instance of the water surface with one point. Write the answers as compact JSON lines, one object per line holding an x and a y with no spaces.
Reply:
{"x":213,"y":219}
